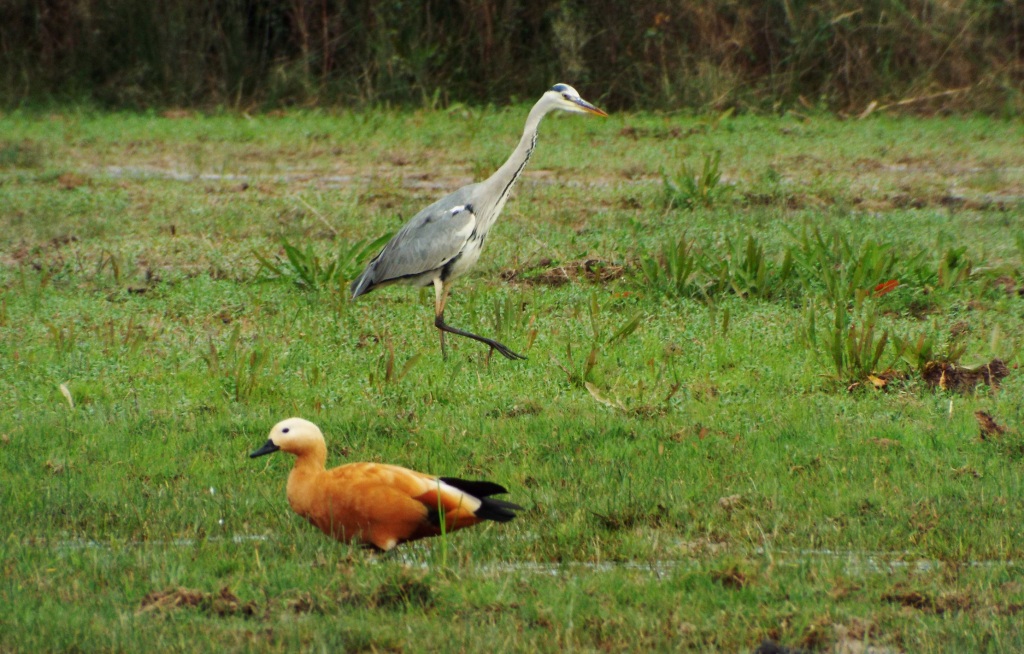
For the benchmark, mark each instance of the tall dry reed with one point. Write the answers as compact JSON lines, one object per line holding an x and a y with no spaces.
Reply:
{"x":667,"y":54}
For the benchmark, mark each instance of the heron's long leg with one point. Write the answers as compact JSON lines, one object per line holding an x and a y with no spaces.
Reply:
{"x":440,"y":298}
{"x":441,"y":290}
{"x":503,"y":350}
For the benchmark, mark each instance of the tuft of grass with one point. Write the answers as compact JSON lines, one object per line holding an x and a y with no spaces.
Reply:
{"x":705,"y":272}
{"x":675,"y":272}
{"x":849,"y":339}
{"x":690,"y":189}
{"x":954,"y":267}
{"x":315,"y":273}
{"x":747,"y":272}
{"x":844,"y":270}
{"x":21,"y":154}
{"x":925,"y":348}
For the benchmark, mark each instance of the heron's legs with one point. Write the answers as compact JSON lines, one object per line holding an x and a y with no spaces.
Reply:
{"x":441,"y":297}
{"x":502,"y":350}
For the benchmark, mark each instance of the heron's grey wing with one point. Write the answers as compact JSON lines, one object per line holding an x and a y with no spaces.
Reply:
{"x":431,"y":239}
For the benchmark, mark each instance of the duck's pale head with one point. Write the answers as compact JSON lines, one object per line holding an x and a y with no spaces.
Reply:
{"x":293,"y":435}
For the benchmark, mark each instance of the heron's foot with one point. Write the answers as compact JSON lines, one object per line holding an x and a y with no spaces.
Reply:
{"x":502,"y":349}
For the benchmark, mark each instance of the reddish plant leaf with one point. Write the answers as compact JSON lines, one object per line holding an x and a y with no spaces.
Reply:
{"x":886,"y":287}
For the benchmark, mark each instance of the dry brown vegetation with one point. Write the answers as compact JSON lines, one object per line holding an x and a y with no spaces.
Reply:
{"x":850,"y":56}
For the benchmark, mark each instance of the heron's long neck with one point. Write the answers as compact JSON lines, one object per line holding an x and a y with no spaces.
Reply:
{"x":500,"y":184}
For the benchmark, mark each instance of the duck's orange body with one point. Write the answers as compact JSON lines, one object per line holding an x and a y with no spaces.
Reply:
{"x":374,"y":503}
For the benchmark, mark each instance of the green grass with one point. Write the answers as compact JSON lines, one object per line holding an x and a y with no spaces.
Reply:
{"x":698,"y":472}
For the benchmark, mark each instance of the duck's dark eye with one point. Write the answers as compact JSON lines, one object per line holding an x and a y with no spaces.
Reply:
{"x":285,"y":430}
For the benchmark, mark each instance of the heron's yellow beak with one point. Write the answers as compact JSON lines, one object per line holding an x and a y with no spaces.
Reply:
{"x":589,"y":108}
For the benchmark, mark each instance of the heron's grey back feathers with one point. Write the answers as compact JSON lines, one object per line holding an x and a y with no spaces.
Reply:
{"x":430,"y":240}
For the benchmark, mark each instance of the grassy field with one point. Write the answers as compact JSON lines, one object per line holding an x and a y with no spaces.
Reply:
{"x":747,"y":412}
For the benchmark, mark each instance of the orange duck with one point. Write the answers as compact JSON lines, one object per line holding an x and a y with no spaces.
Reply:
{"x":377,"y":504}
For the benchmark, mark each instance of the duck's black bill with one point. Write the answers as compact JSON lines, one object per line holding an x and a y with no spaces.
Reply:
{"x":268,"y":448}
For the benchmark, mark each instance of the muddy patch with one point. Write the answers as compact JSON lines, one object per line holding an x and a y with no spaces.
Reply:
{"x":732,"y":578}
{"x":222,"y":604}
{"x":988,"y":425}
{"x":927,"y":602}
{"x":592,"y":270}
{"x":524,"y":408}
{"x":951,"y":377}
{"x":1009,"y":285}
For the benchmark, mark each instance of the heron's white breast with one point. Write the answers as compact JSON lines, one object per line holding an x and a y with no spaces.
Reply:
{"x":468,"y":258}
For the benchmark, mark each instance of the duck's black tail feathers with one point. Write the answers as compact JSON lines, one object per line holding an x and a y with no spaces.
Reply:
{"x":480,"y":489}
{"x":490,"y":508}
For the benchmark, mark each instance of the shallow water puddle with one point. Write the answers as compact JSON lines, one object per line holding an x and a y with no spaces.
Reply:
{"x":414,"y":181}
{"x":85,"y":544}
{"x":854,"y":563}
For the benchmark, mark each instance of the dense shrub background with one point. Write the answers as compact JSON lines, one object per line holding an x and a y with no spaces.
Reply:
{"x":666,"y":54}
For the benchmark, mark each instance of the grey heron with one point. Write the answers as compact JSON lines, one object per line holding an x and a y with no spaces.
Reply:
{"x":443,"y":241}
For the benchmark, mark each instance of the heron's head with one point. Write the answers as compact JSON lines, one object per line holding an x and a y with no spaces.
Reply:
{"x":565,"y":98}
{"x":293,"y":435}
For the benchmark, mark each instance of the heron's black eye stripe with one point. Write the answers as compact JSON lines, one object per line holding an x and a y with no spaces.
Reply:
{"x":565,"y":95}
